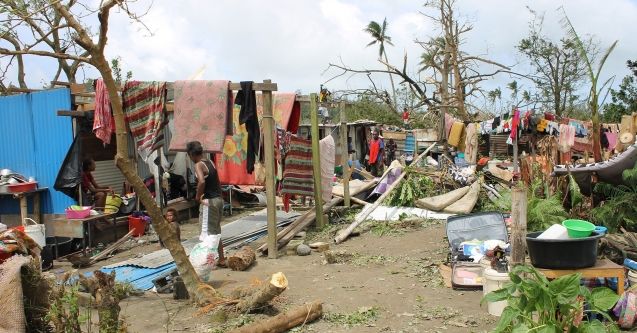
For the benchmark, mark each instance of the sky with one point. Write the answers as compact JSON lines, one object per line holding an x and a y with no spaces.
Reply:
{"x":292,"y":42}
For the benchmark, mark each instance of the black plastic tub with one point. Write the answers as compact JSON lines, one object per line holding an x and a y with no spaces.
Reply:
{"x":62,"y":248}
{"x":562,"y":253}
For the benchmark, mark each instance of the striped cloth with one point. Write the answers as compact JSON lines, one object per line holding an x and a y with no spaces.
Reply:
{"x":144,"y":111}
{"x":297,"y":172}
{"x":103,"y":119}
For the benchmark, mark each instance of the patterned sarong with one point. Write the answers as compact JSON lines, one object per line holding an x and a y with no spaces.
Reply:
{"x":144,"y":111}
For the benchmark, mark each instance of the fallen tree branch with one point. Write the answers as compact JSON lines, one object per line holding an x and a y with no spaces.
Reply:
{"x":285,"y":321}
{"x":365,"y":213}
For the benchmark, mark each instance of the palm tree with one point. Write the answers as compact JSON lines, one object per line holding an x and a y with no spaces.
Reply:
{"x":593,"y":97}
{"x":379,"y":35}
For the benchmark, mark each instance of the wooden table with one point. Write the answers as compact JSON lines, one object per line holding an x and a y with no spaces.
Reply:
{"x":603,"y":268}
{"x":76,"y":228}
{"x":23,"y":198}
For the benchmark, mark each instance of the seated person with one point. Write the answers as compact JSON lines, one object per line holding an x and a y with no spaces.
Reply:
{"x":171,"y":217}
{"x":92,"y":193}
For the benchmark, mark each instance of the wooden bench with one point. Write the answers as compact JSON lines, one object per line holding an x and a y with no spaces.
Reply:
{"x":603,"y":269}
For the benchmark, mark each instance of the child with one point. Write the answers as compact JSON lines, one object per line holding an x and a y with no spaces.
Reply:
{"x":171,"y":217}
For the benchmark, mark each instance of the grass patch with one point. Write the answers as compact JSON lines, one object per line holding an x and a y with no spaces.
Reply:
{"x":397,"y":228}
{"x":362,"y":260}
{"x":239,"y":321}
{"x":362,"y":316}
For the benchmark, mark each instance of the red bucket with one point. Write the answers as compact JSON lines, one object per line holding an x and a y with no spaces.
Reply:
{"x":137,"y":224}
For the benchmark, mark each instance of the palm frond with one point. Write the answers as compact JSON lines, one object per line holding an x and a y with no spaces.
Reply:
{"x":630,"y":176}
{"x":576,"y":195}
{"x":577,"y":42}
{"x":602,"y":61}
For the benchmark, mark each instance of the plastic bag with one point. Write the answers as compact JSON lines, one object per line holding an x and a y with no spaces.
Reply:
{"x":204,"y":255}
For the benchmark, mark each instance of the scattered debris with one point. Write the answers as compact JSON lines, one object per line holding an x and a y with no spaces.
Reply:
{"x":320,"y":246}
{"x":363,"y":316}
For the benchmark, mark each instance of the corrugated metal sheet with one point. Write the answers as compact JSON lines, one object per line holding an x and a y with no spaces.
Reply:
{"x":107,"y":174}
{"x":35,"y":141}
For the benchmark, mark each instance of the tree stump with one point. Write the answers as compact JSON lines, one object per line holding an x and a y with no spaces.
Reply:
{"x":263,"y":294}
{"x":243,"y":259}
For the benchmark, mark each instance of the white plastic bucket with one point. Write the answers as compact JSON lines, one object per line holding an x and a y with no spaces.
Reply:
{"x":632,"y":277}
{"x":36,"y":232}
{"x":556,"y":231}
{"x":492,"y":282}
{"x":484,"y":264}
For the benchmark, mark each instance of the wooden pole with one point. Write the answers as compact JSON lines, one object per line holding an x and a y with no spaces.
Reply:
{"x":316,"y":162}
{"x":518,"y":227}
{"x":343,"y":234}
{"x":268,"y":141}
{"x":344,"y":154}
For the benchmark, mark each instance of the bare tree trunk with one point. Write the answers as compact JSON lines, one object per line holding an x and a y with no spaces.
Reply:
{"x":393,"y":88}
{"x":597,"y":148}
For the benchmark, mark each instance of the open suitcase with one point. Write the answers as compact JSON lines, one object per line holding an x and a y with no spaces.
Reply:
{"x":467,"y":275}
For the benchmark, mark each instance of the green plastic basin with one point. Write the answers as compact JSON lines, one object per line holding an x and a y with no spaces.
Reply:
{"x":578,"y":228}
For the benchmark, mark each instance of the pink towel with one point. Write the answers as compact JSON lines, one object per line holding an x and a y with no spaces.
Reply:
{"x":612,"y":140}
{"x":201,"y":112}
{"x":103,"y":119}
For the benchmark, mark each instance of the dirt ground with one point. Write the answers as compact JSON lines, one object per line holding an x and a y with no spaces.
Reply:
{"x":386,"y":280}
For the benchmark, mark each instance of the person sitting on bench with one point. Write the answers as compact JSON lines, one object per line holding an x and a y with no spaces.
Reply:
{"x":92,"y":193}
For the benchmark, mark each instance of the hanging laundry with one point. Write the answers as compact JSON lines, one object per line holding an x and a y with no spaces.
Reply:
{"x":553,"y":128}
{"x":486,"y":126}
{"x":297,"y":171}
{"x":471,"y":144}
{"x":567,"y":138}
{"x":201,"y":109}
{"x":144,"y":112}
{"x":515,"y":122}
{"x":103,"y":124}
{"x":247,"y":98}
{"x":542,"y":126}
{"x":456,"y":133}
{"x":328,"y":159}
{"x":449,"y":121}
{"x":612,"y":140}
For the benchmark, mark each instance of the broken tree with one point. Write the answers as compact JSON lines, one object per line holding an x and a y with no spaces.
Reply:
{"x":91,"y":51}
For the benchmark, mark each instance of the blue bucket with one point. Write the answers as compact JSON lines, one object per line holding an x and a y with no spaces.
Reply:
{"x":601,"y":230}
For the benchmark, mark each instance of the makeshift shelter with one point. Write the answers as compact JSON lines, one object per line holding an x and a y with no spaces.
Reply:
{"x":35,"y":141}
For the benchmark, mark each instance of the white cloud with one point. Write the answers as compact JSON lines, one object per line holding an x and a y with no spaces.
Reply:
{"x":292,"y":42}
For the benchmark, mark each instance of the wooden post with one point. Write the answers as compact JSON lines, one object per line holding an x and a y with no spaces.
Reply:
{"x":268,"y":141}
{"x":316,"y":162}
{"x":518,"y":226}
{"x":23,"y":208}
{"x":344,"y":154}
{"x":37,"y":208}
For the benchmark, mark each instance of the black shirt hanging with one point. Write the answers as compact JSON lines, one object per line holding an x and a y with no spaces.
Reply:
{"x":247,"y":98}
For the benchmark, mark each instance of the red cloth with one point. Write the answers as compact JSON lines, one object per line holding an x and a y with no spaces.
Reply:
{"x":103,"y":120}
{"x":515,"y":122}
{"x":374,"y":150}
{"x":405,"y":115}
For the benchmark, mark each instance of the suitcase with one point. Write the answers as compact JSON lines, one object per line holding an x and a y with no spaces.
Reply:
{"x":466,"y":274}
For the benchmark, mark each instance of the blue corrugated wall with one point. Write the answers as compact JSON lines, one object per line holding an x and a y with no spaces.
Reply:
{"x":34,"y":142}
